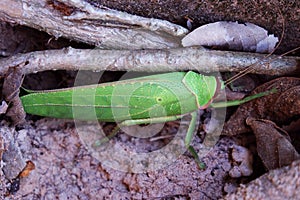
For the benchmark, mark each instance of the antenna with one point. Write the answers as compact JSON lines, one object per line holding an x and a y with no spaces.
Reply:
{"x":252,"y":66}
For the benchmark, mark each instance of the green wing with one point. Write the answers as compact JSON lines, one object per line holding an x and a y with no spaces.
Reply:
{"x":140,"y":98}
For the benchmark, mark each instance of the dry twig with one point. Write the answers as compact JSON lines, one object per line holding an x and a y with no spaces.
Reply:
{"x":198,"y":59}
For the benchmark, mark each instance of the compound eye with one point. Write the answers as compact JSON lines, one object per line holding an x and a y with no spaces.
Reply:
{"x":159,"y":99}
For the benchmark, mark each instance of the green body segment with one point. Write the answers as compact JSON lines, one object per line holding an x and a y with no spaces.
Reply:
{"x":169,"y":94}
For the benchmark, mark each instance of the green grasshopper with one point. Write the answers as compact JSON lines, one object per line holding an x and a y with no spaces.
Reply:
{"x":146,"y":100}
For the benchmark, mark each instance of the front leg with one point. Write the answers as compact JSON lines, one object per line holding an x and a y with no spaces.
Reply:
{"x":188,"y":139}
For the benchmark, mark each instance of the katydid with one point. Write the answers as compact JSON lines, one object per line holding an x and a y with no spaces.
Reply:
{"x":150,"y":99}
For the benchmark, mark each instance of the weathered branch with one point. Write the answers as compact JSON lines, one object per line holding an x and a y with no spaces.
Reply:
{"x":198,"y":59}
{"x":109,"y":15}
{"x":104,"y":28}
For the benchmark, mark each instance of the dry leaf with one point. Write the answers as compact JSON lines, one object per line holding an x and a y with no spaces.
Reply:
{"x":273,"y":144}
{"x":233,"y":36}
{"x":11,"y":89}
{"x":281,"y":107}
{"x":288,"y":103}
